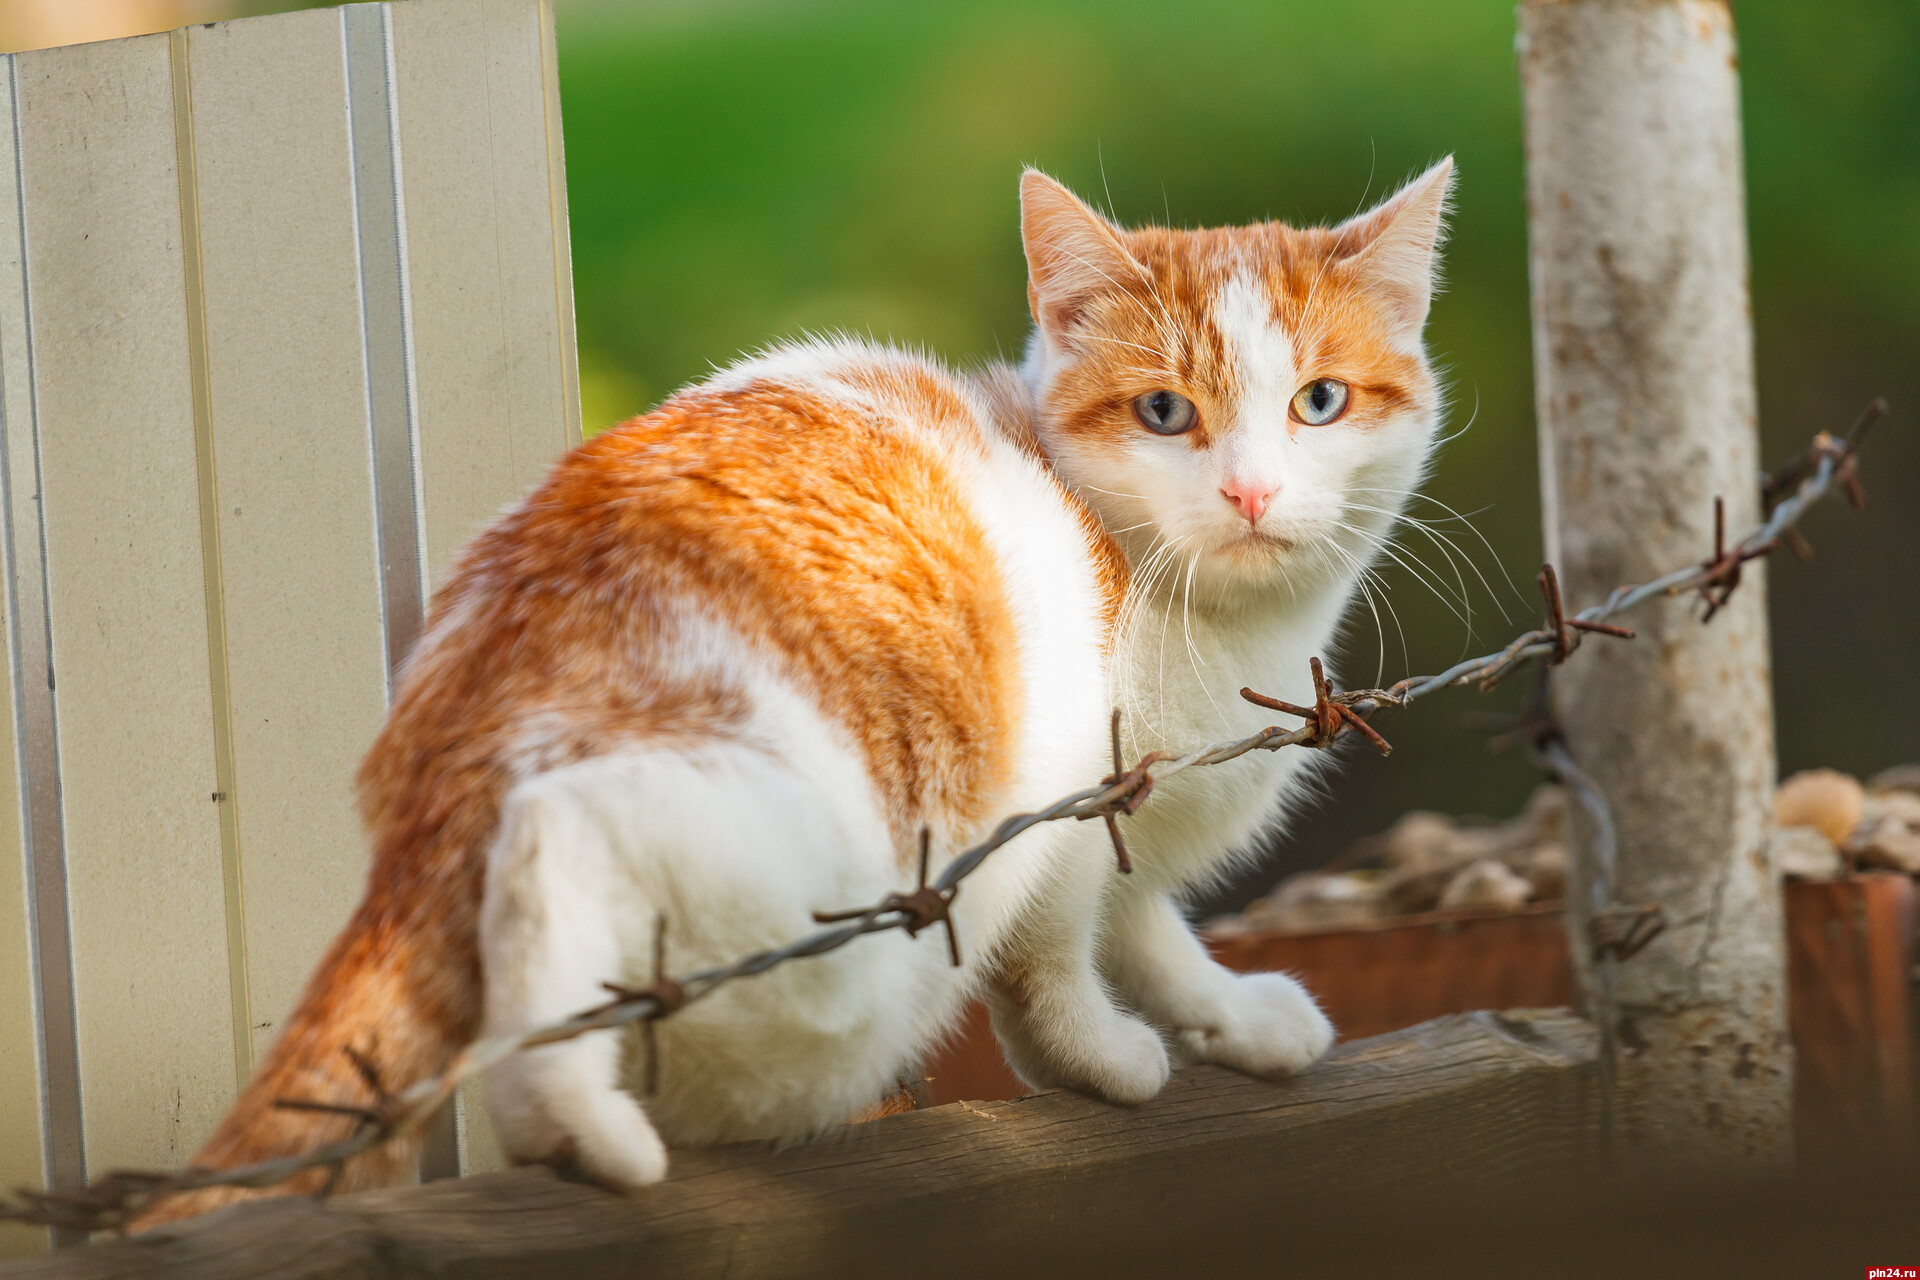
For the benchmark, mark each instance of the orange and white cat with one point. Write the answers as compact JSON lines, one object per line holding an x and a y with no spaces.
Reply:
{"x":724,"y":664}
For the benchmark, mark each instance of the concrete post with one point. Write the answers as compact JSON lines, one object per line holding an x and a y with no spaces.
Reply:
{"x":1643,"y":354}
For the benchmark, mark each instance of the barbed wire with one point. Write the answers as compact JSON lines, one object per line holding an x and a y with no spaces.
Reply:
{"x":118,"y":1198}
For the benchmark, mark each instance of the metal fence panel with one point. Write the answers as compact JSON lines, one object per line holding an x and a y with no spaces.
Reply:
{"x":285,"y":315}
{"x":115,"y":416}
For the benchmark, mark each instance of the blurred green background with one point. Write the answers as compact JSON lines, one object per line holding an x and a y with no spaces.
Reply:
{"x":744,"y":170}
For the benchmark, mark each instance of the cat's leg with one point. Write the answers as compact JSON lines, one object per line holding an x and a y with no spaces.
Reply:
{"x":1264,"y":1024}
{"x":549,"y":938}
{"x":1054,"y":1017}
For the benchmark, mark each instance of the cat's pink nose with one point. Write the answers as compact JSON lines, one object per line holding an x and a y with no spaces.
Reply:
{"x":1249,"y":498}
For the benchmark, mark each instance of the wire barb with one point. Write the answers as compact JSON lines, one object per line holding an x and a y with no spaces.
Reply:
{"x":1843,"y":453}
{"x":1722,"y":574}
{"x":927,"y":905}
{"x":1622,"y":932}
{"x":1123,"y":792}
{"x":1329,"y":716}
{"x":667,"y":994}
{"x":380,"y":1114}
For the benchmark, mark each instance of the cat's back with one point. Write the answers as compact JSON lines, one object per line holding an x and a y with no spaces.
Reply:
{"x":851,"y":517}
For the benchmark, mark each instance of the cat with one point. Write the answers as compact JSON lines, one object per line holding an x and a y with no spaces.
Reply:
{"x":720,"y":669}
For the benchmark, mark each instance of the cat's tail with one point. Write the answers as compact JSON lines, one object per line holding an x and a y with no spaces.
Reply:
{"x":396,"y":995}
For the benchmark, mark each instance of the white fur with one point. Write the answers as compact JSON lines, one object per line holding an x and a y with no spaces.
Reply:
{"x":1091,"y":977}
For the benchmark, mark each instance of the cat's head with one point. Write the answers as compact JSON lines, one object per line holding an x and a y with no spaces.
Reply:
{"x":1258,"y":397}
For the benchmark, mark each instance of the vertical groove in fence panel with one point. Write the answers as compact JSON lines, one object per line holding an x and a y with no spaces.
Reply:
{"x":112,"y":377}
{"x":213,"y":582}
{"x":379,"y":223}
{"x":380,"y":230}
{"x":23,"y":1104}
{"x":559,"y":227}
{"x":489,"y":280}
{"x":492,"y":317}
{"x":306,"y":658}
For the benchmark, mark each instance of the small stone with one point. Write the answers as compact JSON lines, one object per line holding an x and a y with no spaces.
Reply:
{"x":1901,"y":777}
{"x":1887,"y":843}
{"x":1821,"y":798}
{"x":1419,"y":839}
{"x":1544,"y":867}
{"x":1410,"y":890}
{"x":1545,"y":816}
{"x":1485,"y":885}
{"x":1805,"y":853}
{"x":1897,"y":806}
{"x":1315,"y":900}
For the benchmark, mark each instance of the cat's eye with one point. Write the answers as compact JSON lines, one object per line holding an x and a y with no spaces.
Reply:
{"x":1166,"y":413}
{"x":1320,"y":402}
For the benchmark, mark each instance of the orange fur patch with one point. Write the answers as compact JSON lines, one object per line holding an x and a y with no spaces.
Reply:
{"x":840,"y":546}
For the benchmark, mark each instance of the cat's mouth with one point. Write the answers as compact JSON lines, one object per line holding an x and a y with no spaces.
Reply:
{"x":1252,"y":540}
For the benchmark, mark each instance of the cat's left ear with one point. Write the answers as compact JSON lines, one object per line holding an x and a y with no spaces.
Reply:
{"x":1396,"y":246}
{"x":1073,"y":255}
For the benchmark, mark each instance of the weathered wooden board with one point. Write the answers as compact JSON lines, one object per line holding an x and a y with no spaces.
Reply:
{"x":1850,"y":949}
{"x":965,"y":1188}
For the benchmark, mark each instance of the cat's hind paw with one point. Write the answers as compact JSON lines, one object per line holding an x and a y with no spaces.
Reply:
{"x":1270,"y":1027}
{"x":557,"y":1117}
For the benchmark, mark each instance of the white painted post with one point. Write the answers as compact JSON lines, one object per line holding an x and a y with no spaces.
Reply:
{"x":1643,"y":355}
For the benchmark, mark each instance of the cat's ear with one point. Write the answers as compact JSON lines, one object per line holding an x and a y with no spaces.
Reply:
{"x":1073,"y":255}
{"x":1396,"y":246}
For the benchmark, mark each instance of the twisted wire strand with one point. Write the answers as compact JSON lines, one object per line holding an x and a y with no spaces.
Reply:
{"x":117,"y":1198}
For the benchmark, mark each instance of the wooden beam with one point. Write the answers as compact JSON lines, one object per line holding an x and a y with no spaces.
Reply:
{"x":1029,"y":1184}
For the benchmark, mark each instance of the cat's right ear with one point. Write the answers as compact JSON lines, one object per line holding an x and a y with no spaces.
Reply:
{"x":1073,"y":255}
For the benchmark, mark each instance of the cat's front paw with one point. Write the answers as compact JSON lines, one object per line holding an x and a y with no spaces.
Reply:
{"x":1096,"y":1050}
{"x":1128,"y":1065}
{"x":1269,"y":1026}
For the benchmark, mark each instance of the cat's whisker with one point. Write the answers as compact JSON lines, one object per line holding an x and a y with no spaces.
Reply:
{"x":1113,"y":493}
{"x":1454,"y":598}
{"x":1414,"y":567}
{"x":1471,"y":418}
{"x":1380,"y":666}
{"x":1371,"y":583}
{"x":1425,"y":574}
{"x":1122,"y":342}
{"x":1450,"y":549}
{"x":1466,"y":521}
{"x":1140,"y":594}
{"x":1163,"y":324}
{"x":1186,"y":624}
{"x":1166,"y":615}
{"x":1443,"y":545}
{"x":1156,"y":569}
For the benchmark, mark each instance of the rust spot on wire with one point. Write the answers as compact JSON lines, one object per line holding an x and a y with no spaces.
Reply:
{"x":1128,"y":788}
{"x":1723,"y":566}
{"x":1327,"y":717}
{"x":924,"y":907}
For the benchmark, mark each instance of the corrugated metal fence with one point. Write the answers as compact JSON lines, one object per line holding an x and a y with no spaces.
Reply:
{"x":286,"y":313}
